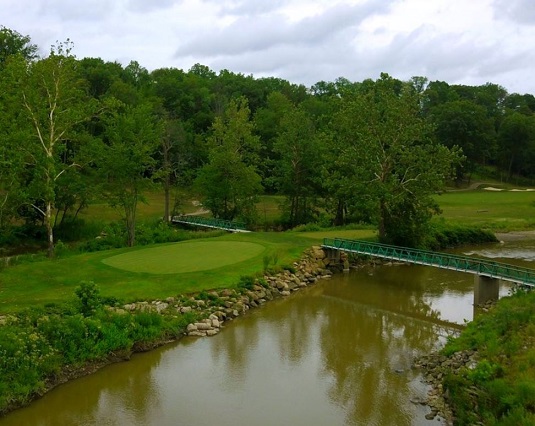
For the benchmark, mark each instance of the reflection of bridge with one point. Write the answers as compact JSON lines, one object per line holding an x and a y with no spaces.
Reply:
{"x":226,"y":225}
{"x":488,"y":273}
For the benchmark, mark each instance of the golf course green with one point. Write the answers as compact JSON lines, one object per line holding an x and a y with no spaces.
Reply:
{"x":185,"y":257}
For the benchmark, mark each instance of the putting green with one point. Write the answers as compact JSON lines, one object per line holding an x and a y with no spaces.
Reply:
{"x":185,"y":257}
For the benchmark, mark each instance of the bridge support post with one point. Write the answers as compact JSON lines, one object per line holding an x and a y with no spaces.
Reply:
{"x":485,"y":289}
{"x":333,"y":255}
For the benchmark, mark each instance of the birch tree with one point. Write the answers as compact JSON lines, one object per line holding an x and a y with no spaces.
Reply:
{"x":53,"y":106}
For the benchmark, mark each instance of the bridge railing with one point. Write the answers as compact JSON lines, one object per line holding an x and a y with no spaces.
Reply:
{"x":441,"y":260}
{"x":211,"y":222}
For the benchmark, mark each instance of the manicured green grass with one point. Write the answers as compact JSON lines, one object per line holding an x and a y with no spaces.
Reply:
{"x":186,"y":256}
{"x":164,"y":270}
{"x":498,"y":211}
{"x":41,"y":282}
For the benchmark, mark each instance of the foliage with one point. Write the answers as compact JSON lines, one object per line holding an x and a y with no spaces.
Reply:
{"x":499,"y":390}
{"x":126,"y":159}
{"x":36,"y":345}
{"x":300,"y":155}
{"x":387,"y":157}
{"x":445,"y":235}
{"x":89,"y":297}
{"x":14,"y":43}
{"x":229,"y":183}
{"x":48,"y":104}
{"x":246,"y":282}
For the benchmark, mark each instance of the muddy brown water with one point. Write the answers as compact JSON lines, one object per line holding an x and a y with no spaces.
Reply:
{"x":337,"y":353}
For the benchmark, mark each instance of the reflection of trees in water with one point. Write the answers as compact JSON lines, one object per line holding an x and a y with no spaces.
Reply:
{"x":373,"y":329}
{"x":134,"y":389}
{"x":368,"y":328}
{"x":232,"y":352}
{"x":125,"y":392}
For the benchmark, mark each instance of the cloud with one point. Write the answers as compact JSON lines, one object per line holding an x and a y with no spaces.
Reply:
{"x":141,"y":6}
{"x":249,"y":34}
{"x":248,"y":8}
{"x":67,"y":10}
{"x":519,"y":11}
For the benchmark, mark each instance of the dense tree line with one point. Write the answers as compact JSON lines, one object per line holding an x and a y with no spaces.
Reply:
{"x":75,"y":130}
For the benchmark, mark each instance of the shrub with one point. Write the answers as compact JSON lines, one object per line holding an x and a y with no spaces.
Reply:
{"x":246,"y":282}
{"x":89,"y":297}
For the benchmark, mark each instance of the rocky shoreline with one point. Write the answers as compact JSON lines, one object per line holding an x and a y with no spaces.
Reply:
{"x":216,"y":307}
{"x":435,"y":367}
{"x":212,"y":309}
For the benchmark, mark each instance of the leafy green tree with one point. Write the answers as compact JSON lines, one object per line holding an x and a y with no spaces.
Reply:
{"x":516,"y":139}
{"x":297,"y":170}
{"x":229,"y":183}
{"x":385,"y":142}
{"x":126,"y":161}
{"x":173,"y":154}
{"x":467,"y":125}
{"x":267,"y":126}
{"x":14,"y":43}
{"x":53,"y":104}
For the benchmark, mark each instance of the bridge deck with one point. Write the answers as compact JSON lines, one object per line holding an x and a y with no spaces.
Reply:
{"x":226,"y":225}
{"x":471,"y":265}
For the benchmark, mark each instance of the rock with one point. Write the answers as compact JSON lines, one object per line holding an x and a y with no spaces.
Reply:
{"x":203,"y":326}
{"x":212,"y":332}
{"x":285,"y":293}
{"x":191,"y":327}
{"x":185,"y":309}
{"x":161,"y":306}
{"x":197,"y":333}
{"x":216,"y":323}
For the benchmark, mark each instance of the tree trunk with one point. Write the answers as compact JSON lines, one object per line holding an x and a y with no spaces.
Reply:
{"x":49,"y":229}
{"x":382,"y":221}
{"x":340,"y":210}
{"x":167,"y":195}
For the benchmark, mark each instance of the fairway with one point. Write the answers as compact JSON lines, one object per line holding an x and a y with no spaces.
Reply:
{"x":185,"y":257}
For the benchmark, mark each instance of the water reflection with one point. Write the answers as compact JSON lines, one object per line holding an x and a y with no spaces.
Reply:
{"x":338,"y":353}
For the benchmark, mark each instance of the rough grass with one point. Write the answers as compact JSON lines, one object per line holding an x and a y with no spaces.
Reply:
{"x":185,"y":257}
{"x":497,"y":211}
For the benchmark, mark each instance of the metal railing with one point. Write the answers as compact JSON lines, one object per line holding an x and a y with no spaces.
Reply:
{"x":226,"y":225}
{"x":471,"y":265}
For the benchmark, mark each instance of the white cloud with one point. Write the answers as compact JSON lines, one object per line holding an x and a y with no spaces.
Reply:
{"x":519,"y":11}
{"x":304,"y":41}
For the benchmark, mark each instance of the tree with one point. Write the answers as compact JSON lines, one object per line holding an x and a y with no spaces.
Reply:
{"x":14,"y":43}
{"x":299,"y":162}
{"x":172,"y":160}
{"x":125,"y":159}
{"x":467,"y":125}
{"x":229,"y":183}
{"x":516,"y":139}
{"x":385,"y":142}
{"x":54,"y":104}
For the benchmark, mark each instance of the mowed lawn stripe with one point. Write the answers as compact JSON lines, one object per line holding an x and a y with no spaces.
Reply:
{"x":185,"y":257}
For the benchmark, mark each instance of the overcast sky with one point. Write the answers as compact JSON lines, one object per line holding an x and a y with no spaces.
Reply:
{"x":304,"y":41}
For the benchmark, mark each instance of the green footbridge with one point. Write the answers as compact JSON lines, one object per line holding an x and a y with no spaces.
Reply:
{"x":488,"y":272}
{"x":205,"y":222}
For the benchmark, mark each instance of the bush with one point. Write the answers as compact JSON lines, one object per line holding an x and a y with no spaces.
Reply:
{"x":89,"y":297}
{"x":246,"y":282}
{"x":443,"y":235}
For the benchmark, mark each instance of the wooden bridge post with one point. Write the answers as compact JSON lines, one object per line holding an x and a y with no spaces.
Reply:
{"x":485,"y":289}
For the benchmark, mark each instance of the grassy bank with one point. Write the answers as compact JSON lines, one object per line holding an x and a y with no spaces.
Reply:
{"x":220,"y":264}
{"x":500,"y":390}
